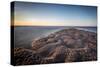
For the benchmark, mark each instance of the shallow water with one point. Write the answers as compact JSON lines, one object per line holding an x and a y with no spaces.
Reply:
{"x":24,"y":35}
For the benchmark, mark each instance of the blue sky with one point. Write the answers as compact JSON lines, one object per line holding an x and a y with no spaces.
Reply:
{"x":39,"y":14}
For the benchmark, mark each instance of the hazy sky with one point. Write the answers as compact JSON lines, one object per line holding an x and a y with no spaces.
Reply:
{"x":37,"y":14}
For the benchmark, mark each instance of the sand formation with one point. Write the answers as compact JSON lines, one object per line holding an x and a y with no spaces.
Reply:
{"x":67,"y":45}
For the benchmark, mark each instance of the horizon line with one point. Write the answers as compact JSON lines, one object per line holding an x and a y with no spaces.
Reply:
{"x":52,"y":26}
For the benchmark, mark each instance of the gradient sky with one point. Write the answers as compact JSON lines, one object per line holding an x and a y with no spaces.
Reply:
{"x":39,"y":14}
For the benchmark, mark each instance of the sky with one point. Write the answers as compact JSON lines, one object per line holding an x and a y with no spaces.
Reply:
{"x":45,"y":14}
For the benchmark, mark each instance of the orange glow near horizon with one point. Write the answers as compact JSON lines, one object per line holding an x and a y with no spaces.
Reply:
{"x":50,"y":23}
{"x":36,"y":14}
{"x":26,"y":23}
